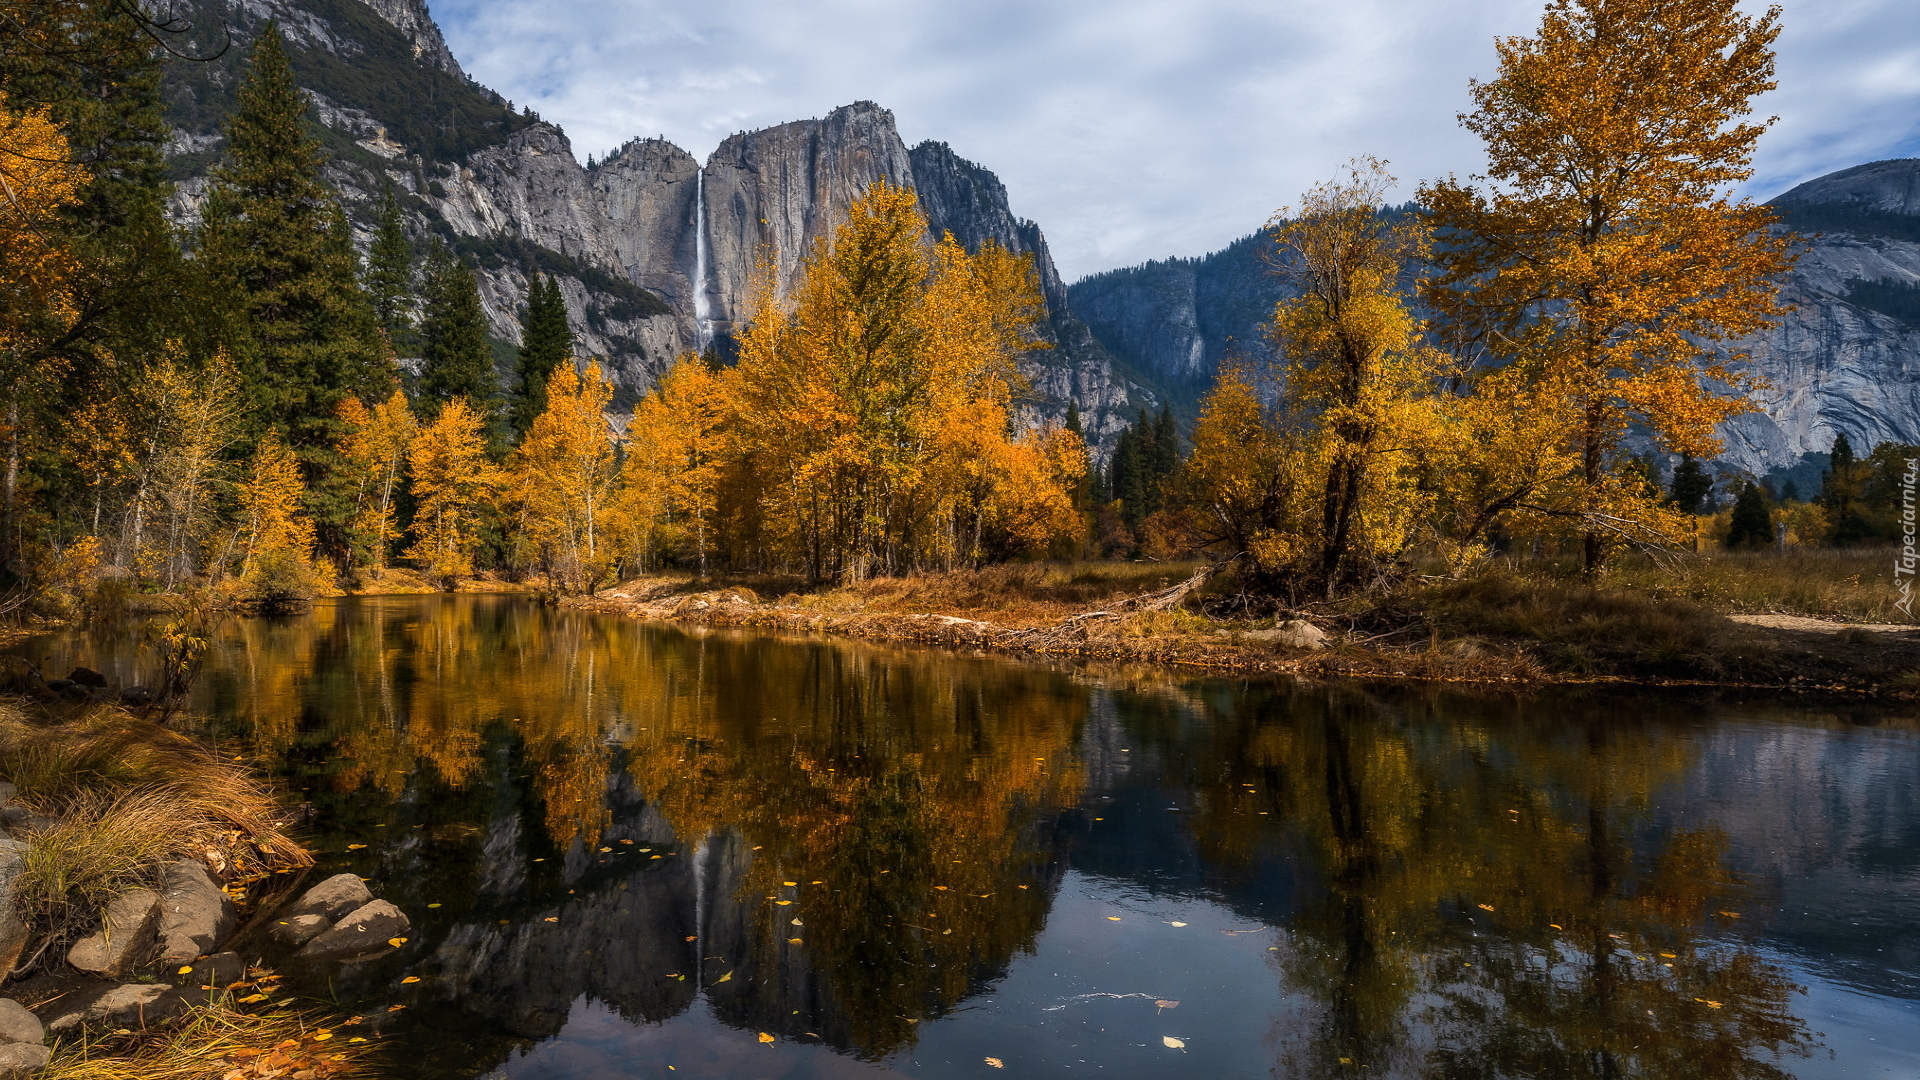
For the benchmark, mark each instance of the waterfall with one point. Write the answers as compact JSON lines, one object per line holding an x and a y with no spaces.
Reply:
{"x":700,"y":853}
{"x":702,"y":307}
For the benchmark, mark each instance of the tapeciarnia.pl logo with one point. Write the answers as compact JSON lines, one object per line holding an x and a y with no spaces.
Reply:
{"x":1904,"y":566}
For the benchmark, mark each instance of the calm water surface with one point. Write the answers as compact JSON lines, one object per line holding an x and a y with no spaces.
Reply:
{"x":628,"y":847}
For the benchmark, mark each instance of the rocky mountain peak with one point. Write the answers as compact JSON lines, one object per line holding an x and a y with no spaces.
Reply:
{"x":412,"y":19}
{"x":1888,"y":186}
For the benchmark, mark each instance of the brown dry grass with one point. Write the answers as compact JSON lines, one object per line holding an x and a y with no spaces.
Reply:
{"x":128,"y":795}
{"x":1855,"y":585}
{"x":220,"y":1040}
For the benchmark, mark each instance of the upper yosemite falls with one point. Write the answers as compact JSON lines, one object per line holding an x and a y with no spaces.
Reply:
{"x":654,"y":250}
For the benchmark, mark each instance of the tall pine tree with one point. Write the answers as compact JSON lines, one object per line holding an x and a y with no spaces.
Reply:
{"x":456,"y":360}
{"x":275,"y":245}
{"x":390,"y":268}
{"x":546,"y":341}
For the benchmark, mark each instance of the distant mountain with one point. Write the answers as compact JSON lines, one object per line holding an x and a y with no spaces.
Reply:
{"x":653,"y":250}
{"x":1846,"y":360}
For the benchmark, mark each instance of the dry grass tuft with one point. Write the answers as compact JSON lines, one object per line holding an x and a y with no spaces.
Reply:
{"x":221,"y":1042}
{"x":128,"y":795}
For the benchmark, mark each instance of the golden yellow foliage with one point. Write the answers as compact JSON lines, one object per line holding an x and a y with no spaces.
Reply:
{"x":674,"y":465}
{"x":454,"y":482}
{"x":37,"y":178}
{"x":374,"y":454}
{"x":277,"y":564}
{"x":1606,"y":261}
{"x":565,"y":481}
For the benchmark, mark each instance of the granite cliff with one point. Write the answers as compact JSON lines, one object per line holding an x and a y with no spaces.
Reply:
{"x":1846,"y":359}
{"x":653,"y":249}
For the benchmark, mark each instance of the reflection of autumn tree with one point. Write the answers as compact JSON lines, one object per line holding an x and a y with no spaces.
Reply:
{"x":1501,"y":885}
{"x":902,"y":798}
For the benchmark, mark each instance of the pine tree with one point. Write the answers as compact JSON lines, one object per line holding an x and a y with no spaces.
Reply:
{"x":275,"y":245}
{"x":546,"y":341}
{"x":1752,"y":523}
{"x":1689,"y":486}
{"x":390,"y":268}
{"x":1166,"y":458}
{"x":456,"y":360}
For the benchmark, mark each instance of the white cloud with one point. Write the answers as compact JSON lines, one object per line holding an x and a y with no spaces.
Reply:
{"x":1132,"y":129}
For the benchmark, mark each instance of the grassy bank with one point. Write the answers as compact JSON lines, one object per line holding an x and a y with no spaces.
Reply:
{"x":103,"y":801}
{"x":1737,"y":619}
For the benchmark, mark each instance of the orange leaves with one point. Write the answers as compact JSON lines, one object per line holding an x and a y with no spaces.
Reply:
{"x":37,"y":178}
{"x":564,"y":481}
{"x":452,"y":479}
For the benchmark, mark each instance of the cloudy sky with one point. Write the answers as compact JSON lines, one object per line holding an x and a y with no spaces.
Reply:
{"x":1132,"y":129}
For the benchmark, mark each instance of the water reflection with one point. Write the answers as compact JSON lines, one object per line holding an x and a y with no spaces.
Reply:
{"x":840,"y":845}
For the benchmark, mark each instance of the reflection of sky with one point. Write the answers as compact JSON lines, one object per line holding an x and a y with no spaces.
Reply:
{"x":1086,"y":1002}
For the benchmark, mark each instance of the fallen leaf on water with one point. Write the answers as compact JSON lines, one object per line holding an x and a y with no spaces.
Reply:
{"x":793,"y":941}
{"x":1166,"y":1004}
{"x":1555,"y":925}
{"x":1671,"y":956}
{"x":942,"y":888}
{"x":356,"y":1039}
{"x":606,"y":849}
{"x":789,"y":883}
{"x":797,"y":922}
{"x":1484,"y":907}
{"x":783,"y":903}
{"x":1172,"y":1043}
{"x":322,"y":1036}
{"x":1708,"y":1004}
{"x":396,"y":942}
{"x":996,"y":1063}
{"x":1113,"y":918}
{"x":944,"y":933}
{"x":693,"y":937}
{"x":1023,"y":886}
{"x":728,"y":977}
{"x":433,"y":905}
{"x":1176,"y":923}
{"x":1730,"y":914}
{"x":395,"y":1008}
{"x":819,"y":883}
{"x":553,"y":918}
{"x":355,"y":847}
{"x":626,"y":841}
{"x":409,"y":980}
{"x":765,"y":1038}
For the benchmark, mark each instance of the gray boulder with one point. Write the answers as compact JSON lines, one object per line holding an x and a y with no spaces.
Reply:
{"x":21,"y":1060}
{"x":125,"y":938}
{"x":133,"y":1005}
{"x":300,"y":929}
{"x":216,"y":972}
{"x":17,"y":1025}
{"x":332,"y":899}
{"x":13,"y":928}
{"x":362,"y":935}
{"x":195,"y":915}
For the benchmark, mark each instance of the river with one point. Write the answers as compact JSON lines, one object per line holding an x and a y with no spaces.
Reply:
{"x":635,"y":850}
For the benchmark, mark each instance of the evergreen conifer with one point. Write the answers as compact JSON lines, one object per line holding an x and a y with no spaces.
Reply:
{"x":1752,"y":523}
{"x":546,"y":341}
{"x":274,"y":243}
{"x":456,"y":360}
{"x":390,"y":268}
{"x":1689,"y":486}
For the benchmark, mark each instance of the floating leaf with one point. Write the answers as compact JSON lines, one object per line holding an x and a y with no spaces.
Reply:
{"x":789,"y":883}
{"x":409,"y":980}
{"x":396,"y":942}
{"x":1164,"y":1003}
{"x":797,"y":922}
{"x":765,"y":1038}
{"x":1484,"y":907}
{"x":1113,"y":918}
{"x":606,"y":849}
{"x":355,"y":847}
{"x":783,"y":903}
{"x":728,"y":977}
{"x":1176,"y":923}
{"x":1172,"y":1043}
{"x":322,"y":1036}
{"x":996,"y":1063}
{"x":1555,"y":925}
{"x":433,"y":905}
{"x":794,"y":941}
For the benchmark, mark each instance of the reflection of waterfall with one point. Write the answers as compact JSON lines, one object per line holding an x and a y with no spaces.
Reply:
{"x":702,"y":307}
{"x":700,"y":912}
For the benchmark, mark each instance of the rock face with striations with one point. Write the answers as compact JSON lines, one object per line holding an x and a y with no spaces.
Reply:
{"x":622,"y":236}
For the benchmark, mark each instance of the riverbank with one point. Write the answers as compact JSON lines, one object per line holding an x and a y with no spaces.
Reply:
{"x":1738,"y":622}
{"x":136,"y":864}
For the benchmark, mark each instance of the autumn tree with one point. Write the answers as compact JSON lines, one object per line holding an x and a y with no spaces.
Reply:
{"x":1317,"y":479}
{"x":546,"y":342}
{"x":1603,"y":258}
{"x":565,"y":482}
{"x":453,"y":482}
{"x":374,"y":458}
{"x":675,"y":446}
{"x":276,"y":566}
